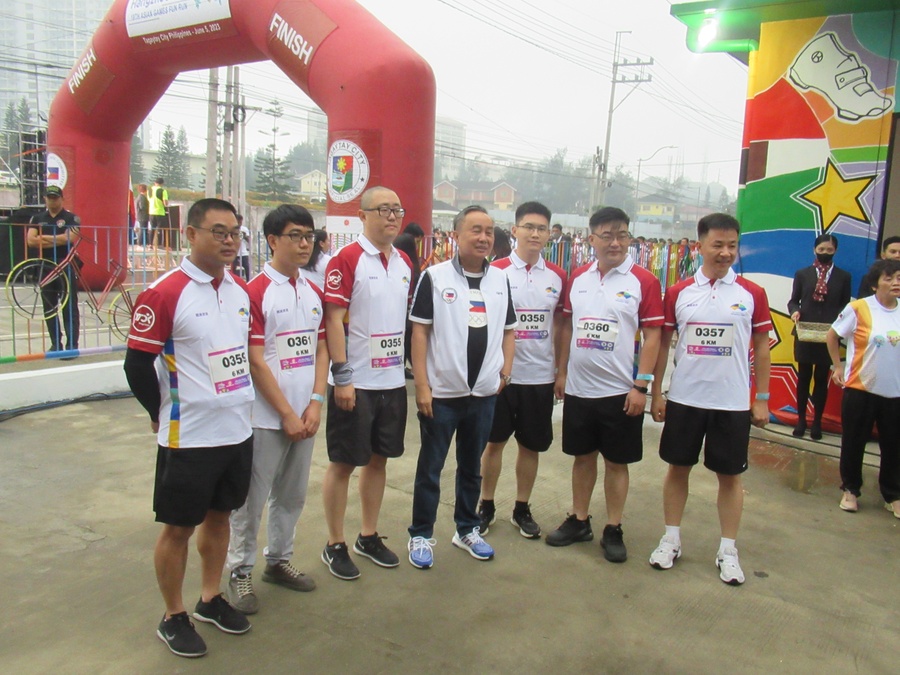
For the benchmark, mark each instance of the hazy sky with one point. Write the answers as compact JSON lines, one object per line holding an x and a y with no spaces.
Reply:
{"x":528,"y":77}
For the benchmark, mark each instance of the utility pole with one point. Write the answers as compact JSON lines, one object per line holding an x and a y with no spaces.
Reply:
{"x":635,"y":80}
{"x":235,"y":139}
{"x":212,"y":133}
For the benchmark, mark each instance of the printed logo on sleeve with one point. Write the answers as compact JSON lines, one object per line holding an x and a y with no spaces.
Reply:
{"x":334,"y":280}
{"x":143,"y":319}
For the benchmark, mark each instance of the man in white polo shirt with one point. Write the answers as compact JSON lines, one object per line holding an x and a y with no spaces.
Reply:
{"x":367,"y":282}
{"x":187,"y":364}
{"x":607,"y":302}
{"x":525,"y":407}
{"x":719,"y":317}
{"x":289,"y":365}
{"x":462,"y":351}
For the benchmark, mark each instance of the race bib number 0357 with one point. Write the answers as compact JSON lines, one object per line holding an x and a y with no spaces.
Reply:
{"x":709,"y":339}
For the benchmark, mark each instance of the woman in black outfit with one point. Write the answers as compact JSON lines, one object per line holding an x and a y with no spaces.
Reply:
{"x":820,"y":292}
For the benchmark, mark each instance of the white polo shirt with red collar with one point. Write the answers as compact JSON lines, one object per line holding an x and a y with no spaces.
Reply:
{"x":715,"y":320}
{"x":536,"y":293}
{"x":288,"y":322}
{"x":375,"y":290}
{"x":606,"y":313}
{"x":199,"y":326}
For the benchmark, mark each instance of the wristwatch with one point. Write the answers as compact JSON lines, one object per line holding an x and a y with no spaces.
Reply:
{"x":643,"y":390}
{"x":507,"y":379}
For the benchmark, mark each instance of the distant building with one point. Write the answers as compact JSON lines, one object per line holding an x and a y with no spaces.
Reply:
{"x":449,"y":147}
{"x":656,"y":208}
{"x":489,"y":194}
{"x":313,"y":184}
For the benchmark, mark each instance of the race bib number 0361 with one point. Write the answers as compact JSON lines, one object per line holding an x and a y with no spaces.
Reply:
{"x":295,"y":349}
{"x":709,"y":339}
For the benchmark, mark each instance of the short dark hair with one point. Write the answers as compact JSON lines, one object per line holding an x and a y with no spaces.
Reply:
{"x":887,"y":242}
{"x":280,"y":217}
{"x":461,"y":216}
{"x":414,"y":229}
{"x":198,"y":209}
{"x":608,"y":214}
{"x":556,"y":226}
{"x":878,"y":269}
{"x":717,"y":221}
{"x":532,"y":207}
{"x":826,"y":238}
{"x":160,"y":181}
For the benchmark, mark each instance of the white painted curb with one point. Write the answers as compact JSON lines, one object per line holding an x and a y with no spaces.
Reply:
{"x":19,"y":390}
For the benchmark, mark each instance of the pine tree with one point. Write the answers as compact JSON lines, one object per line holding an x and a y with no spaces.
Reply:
{"x":11,"y":137}
{"x":184,"y":152}
{"x":272,"y":174}
{"x":169,"y":163}
{"x":24,"y":112}
{"x":137,"y":161}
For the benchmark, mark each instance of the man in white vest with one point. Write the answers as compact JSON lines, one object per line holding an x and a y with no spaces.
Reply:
{"x":463,"y":301}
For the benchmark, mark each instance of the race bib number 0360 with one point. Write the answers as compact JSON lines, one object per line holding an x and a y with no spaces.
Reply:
{"x":594,"y":333}
{"x":386,"y":351}
{"x":534,"y":324}
{"x":709,"y":339}
{"x":229,"y":369}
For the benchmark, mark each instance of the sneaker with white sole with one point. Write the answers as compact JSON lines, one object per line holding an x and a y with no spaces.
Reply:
{"x":179,"y":635}
{"x":420,"y":553}
{"x":473,"y":543}
{"x":337,"y":559}
{"x":666,"y":553}
{"x":730,"y":567}
{"x":373,"y":548}
{"x":285,"y":574}
{"x":241,"y":595}
{"x":221,"y":615}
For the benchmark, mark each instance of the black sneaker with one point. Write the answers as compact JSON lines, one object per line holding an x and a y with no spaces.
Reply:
{"x":180,"y":637}
{"x":222,"y":615}
{"x":570,"y":531}
{"x":373,"y":548}
{"x":337,"y":558}
{"x":487,"y":515}
{"x":527,"y":527}
{"x":613,"y":545}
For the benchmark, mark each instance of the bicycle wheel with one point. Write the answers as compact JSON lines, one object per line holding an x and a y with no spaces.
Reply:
{"x":29,"y":297}
{"x":120,"y":310}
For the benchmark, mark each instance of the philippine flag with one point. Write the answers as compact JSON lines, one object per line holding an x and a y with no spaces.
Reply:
{"x":52,"y":173}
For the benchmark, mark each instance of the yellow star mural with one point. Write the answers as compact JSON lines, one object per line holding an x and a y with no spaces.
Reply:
{"x":838,"y":196}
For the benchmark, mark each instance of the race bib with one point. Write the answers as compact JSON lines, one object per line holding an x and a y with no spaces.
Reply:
{"x":593,"y":333}
{"x":229,"y":369}
{"x":386,"y":351}
{"x":295,"y":349}
{"x":709,"y":339}
{"x":534,"y":324}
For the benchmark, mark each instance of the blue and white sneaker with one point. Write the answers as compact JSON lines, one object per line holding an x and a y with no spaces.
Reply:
{"x":474,"y":544}
{"x":420,"y":554}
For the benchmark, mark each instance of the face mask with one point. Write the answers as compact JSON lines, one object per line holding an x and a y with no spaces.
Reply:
{"x":824,"y":258}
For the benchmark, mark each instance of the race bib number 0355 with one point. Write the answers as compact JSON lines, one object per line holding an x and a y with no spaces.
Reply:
{"x":709,"y":339}
{"x":386,"y":351}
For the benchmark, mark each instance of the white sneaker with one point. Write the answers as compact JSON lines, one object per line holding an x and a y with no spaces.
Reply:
{"x":666,"y":553}
{"x":730,"y":567}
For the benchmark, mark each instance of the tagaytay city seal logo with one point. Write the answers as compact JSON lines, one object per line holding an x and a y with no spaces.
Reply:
{"x":348,"y":171}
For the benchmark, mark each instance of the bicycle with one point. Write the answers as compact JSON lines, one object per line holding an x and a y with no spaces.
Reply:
{"x":33,"y":280}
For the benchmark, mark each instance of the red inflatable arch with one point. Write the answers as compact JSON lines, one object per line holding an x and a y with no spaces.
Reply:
{"x":379,"y":96}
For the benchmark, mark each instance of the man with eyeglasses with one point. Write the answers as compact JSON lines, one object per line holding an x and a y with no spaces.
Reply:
{"x":607,"y":301}
{"x":289,"y":365}
{"x":525,"y":407}
{"x":368,"y":284}
{"x":188,"y":366}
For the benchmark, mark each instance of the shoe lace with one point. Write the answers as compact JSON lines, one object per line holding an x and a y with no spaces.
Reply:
{"x":422,"y":544}
{"x":289,"y":569}
{"x":729,"y":558}
{"x":666,"y":547}
{"x":244,"y":585}
{"x":474,"y":537}
{"x":524,"y":516}
{"x":375,"y":545}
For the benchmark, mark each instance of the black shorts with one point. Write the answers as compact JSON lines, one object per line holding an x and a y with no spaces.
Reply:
{"x":527,"y":411}
{"x":192,"y":481}
{"x":727,"y":435}
{"x":591,"y":424}
{"x":376,"y":425}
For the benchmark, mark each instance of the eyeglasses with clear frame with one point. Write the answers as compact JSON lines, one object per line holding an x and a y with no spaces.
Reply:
{"x":385,"y":211}
{"x":606,"y":237}
{"x":297,"y":236}
{"x":531,"y":229}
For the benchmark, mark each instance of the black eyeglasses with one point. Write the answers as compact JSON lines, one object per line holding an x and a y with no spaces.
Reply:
{"x":220,"y":233}
{"x":385,"y":211}
{"x":297,"y":236}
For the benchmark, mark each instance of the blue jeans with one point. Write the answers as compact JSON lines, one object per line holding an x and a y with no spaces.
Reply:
{"x":470,"y":417}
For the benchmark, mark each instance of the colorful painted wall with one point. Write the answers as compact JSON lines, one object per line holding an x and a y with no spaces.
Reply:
{"x":817,"y":134}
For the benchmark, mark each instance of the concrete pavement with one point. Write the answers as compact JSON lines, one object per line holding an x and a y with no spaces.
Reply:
{"x":77,"y":533}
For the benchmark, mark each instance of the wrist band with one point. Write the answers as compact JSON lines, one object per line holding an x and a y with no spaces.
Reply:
{"x":762,"y":397}
{"x":342,"y":374}
{"x":646,"y":377}
{"x":317,"y":397}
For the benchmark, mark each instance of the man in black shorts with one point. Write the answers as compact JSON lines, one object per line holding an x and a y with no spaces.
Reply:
{"x":368,"y":281}
{"x":187,"y":365}
{"x":719,"y":317}
{"x":606,"y":303}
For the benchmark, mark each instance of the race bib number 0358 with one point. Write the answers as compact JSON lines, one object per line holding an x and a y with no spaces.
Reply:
{"x":534,"y":324}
